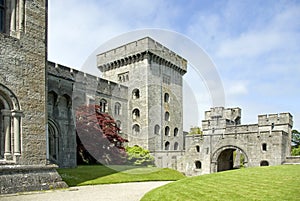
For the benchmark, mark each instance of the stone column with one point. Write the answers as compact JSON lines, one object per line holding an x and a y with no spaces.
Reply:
{"x":13,"y":16}
{"x":6,"y":128}
{"x":16,"y":121}
{"x":21,"y":15}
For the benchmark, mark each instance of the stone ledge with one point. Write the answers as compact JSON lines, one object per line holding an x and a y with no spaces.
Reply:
{"x":22,"y":178}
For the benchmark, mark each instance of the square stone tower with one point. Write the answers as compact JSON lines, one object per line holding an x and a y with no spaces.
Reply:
{"x":23,"y":47}
{"x":153,"y":75}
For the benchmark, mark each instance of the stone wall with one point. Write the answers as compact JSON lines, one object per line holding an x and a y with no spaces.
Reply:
{"x":265,"y":143}
{"x":69,"y":89}
{"x":22,"y":58}
{"x":23,"y":48}
{"x":29,"y":178}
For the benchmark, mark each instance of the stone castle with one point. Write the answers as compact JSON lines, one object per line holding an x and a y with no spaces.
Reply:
{"x":141,"y":88}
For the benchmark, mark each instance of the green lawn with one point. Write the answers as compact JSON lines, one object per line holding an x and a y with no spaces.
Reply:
{"x":98,"y":174}
{"x":261,"y":183}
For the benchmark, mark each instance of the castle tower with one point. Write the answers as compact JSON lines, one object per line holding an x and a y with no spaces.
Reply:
{"x":23,"y":47}
{"x":218,"y":118}
{"x":153,"y":75}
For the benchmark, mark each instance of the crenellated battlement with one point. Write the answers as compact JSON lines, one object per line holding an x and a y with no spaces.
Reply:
{"x":220,"y":117}
{"x":229,"y":119}
{"x":275,"y":119}
{"x":138,"y":51}
{"x":86,"y":79}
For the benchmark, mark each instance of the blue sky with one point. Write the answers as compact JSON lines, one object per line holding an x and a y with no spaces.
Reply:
{"x":253,"y":44}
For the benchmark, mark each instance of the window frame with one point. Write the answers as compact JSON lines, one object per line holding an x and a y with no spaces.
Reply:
{"x":136,"y":114}
{"x":166,"y":98}
{"x":167,"y":146}
{"x":198,"y":165}
{"x":103,"y":105}
{"x":136,"y":94}
{"x":167,"y":131}
{"x":118,"y":110}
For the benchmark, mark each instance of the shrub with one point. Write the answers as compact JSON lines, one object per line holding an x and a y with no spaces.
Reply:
{"x":296,"y":151}
{"x":136,"y":155}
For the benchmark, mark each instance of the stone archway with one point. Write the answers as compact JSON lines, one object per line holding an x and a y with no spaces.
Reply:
{"x":225,"y":160}
{"x":53,"y":141}
{"x":10,"y":125}
{"x":228,"y":158}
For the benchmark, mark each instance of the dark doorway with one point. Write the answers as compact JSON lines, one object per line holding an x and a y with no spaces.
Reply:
{"x":264,"y":163}
{"x":225,"y":160}
{"x":231,"y":159}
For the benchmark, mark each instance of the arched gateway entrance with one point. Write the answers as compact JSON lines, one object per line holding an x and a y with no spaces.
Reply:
{"x":228,"y":158}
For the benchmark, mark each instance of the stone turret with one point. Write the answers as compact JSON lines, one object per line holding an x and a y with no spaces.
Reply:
{"x":153,"y":74}
{"x":220,"y":117}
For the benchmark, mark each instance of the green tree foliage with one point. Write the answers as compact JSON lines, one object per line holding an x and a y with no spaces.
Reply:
{"x":195,"y":130}
{"x":295,"y":138}
{"x":296,"y":151}
{"x":136,"y":155}
{"x":295,"y":143}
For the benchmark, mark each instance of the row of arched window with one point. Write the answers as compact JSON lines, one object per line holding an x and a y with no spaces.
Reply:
{"x":168,"y":132}
{"x":136,"y":130}
{"x":168,"y":146}
{"x":104,"y":107}
{"x":63,"y":103}
{"x":136,"y":95}
{"x":136,"y":114}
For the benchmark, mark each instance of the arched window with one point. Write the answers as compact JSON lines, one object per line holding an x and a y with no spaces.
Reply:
{"x":135,"y":94}
{"x":198,"y":148}
{"x":11,"y":16}
{"x":53,"y":141}
{"x":52,"y":99}
{"x":167,"y":116}
{"x":264,"y":163}
{"x":167,"y":145}
{"x":135,"y":129}
{"x":175,"y":132}
{"x":119,"y":125}
{"x":135,"y":114}
{"x":198,"y":164}
{"x":156,"y":129}
{"x":264,"y":146}
{"x":103,"y":105}
{"x":10,"y":124}
{"x":167,"y":131}
{"x":166,"y":98}
{"x":176,"y":146}
{"x":117,"y":108}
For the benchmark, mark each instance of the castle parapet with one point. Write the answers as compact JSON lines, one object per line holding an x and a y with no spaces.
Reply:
{"x":137,"y":51}
{"x":275,"y":119}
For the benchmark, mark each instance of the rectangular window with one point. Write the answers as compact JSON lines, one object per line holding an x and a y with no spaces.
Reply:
{"x":2,"y":15}
{"x":123,"y":77}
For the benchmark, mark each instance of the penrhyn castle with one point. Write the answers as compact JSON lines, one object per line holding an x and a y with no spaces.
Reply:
{"x":141,"y":87}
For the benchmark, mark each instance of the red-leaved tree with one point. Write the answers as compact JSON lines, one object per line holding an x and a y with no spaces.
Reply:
{"x":97,"y":137}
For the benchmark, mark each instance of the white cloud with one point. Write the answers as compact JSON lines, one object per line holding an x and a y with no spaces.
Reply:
{"x":236,"y":88}
{"x":250,"y":45}
{"x":279,"y":33}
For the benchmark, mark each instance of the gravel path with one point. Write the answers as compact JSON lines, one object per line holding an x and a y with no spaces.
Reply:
{"x":107,"y":192}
